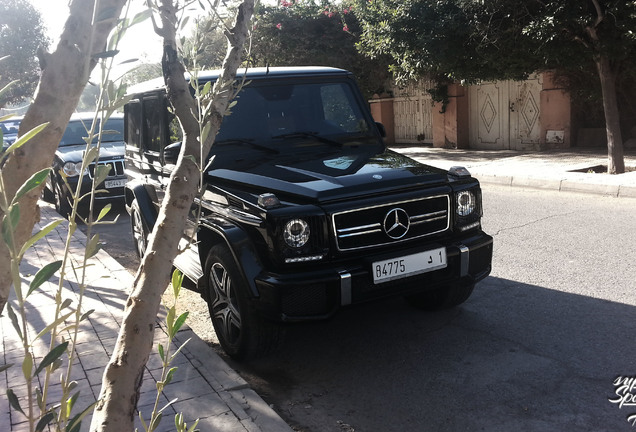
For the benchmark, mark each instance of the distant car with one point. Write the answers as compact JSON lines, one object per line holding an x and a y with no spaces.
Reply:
{"x":9,"y":130}
{"x":68,"y":162}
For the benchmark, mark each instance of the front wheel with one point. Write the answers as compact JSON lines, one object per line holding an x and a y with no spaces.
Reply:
{"x":441,"y":298}
{"x":62,"y":204}
{"x":241,"y":332}
{"x":139,"y":231}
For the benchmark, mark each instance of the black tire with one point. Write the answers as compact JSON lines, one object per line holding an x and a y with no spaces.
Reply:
{"x":139,"y":230}
{"x":241,"y":332}
{"x":47,"y":194}
{"x":441,"y":298}
{"x":61,"y":200}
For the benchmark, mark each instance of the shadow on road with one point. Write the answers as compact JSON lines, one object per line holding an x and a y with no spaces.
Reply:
{"x":514,"y":357}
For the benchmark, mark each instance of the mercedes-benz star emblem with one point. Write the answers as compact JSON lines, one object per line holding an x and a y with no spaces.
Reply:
{"x":396,"y":223}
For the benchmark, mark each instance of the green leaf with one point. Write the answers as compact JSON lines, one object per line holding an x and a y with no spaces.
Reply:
{"x":92,"y":247}
{"x":169,"y":375}
{"x":205,"y":132}
{"x":206,"y":88}
{"x":101,"y":172}
{"x":86,"y":314}
{"x":51,"y":357}
{"x":154,"y":424}
{"x":70,"y":403}
{"x":91,"y":155}
{"x":26,"y":137}
{"x":13,"y":401}
{"x":44,"y":421}
{"x":9,"y":223}
{"x":180,"y":321}
{"x":58,"y":321}
{"x":161,"y":353}
{"x":33,"y":182}
{"x":43,"y":232}
{"x":104,"y":212}
{"x":43,"y":275}
{"x":106,"y":54}
{"x":177,"y":282}
{"x":66,"y":303}
{"x":140,"y":17}
{"x":76,"y":422}
{"x":170,"y":321}
{"x":5,"y":367}
{"x":14,"y":320}
{"x":27,"y":366}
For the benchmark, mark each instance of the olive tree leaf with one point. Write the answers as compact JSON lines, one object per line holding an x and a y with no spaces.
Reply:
{"x":14,"y":321}
{"x":92,"y":247}
{"x":43,"y":275}
{"x":25,"y":138}
{"x":33,"y":182}
{"x":5,"y":367}
{"x":54,"y":354}
{"x":40,"y":234}
{"x":44,"y":421}
{"x":9,"y":224}
{"x":27,"y":365}
{"x":76,"y":422}
{"x":179,"y":322}
{"x":58,"y":321}
{"x":13,"y":401}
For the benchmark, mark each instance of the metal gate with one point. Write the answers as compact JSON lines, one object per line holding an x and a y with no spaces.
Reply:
{"x":506,"y":115}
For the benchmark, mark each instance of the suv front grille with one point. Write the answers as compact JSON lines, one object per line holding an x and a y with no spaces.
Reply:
{"x":116,"y":168}
{"x":391,"y":223}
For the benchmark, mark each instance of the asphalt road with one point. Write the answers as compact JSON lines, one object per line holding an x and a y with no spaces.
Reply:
{"x":536,"y":348}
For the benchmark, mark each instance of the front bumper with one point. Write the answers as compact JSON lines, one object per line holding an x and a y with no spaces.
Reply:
{"x":318,"y":294}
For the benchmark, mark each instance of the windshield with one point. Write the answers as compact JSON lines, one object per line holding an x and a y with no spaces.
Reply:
{"x":76,"y":131}
{"x":274,"y":112}
{"x":9,"y":127}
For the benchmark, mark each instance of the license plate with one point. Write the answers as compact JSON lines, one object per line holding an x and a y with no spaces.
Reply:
{"x":409,"y":265}
{"x":109,"y":184}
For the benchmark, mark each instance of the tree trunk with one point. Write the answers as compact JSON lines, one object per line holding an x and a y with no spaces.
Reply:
{"x":615,"y":155}
{"x":115,"y":410}
{"x":65,"y":73}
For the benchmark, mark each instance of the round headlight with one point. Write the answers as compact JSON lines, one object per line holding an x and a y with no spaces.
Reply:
{"x":72,"y":169}
{"x":296,"y":233}
{"x":465,"y":203}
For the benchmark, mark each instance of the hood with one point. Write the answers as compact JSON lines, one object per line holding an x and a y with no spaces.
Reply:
{"x":334,"y":176}
{"x":75,"y":153}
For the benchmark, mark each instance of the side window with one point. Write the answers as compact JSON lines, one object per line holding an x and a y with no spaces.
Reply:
{"x":338,"y":108}
{"x":153,"y":112}
{"x":133,"y":123}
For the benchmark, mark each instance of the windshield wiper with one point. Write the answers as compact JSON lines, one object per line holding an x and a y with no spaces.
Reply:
{"x":248,"y":142}
{"x":313,"y":135}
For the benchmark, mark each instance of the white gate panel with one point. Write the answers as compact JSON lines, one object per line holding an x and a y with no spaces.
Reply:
{"x":413,"y":114}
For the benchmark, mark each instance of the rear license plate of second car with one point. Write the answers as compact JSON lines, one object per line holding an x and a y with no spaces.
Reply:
{"x":109,"y":184}
{"x":408,"y":265}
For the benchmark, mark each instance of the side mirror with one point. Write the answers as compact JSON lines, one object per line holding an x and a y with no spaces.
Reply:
{"x":381,"y":129}
{"x":171,"y":153}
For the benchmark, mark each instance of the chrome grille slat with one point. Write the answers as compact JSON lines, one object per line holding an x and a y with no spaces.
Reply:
{"x":116,"y":170}
{"x":427,"y":216}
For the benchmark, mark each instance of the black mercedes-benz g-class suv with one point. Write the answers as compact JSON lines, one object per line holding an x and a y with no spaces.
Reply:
{"x":305,"y":210}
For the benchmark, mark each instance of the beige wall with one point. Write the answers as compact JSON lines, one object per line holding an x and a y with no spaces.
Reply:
{"x":382,"y":112}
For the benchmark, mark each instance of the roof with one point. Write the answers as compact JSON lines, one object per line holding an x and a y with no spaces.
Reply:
{"x":90,"y":115}
{"x":250,"y":73}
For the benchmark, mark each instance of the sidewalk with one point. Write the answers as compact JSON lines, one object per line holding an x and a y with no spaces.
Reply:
{"x":552,"y":170}
{"x":206,"y":387}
